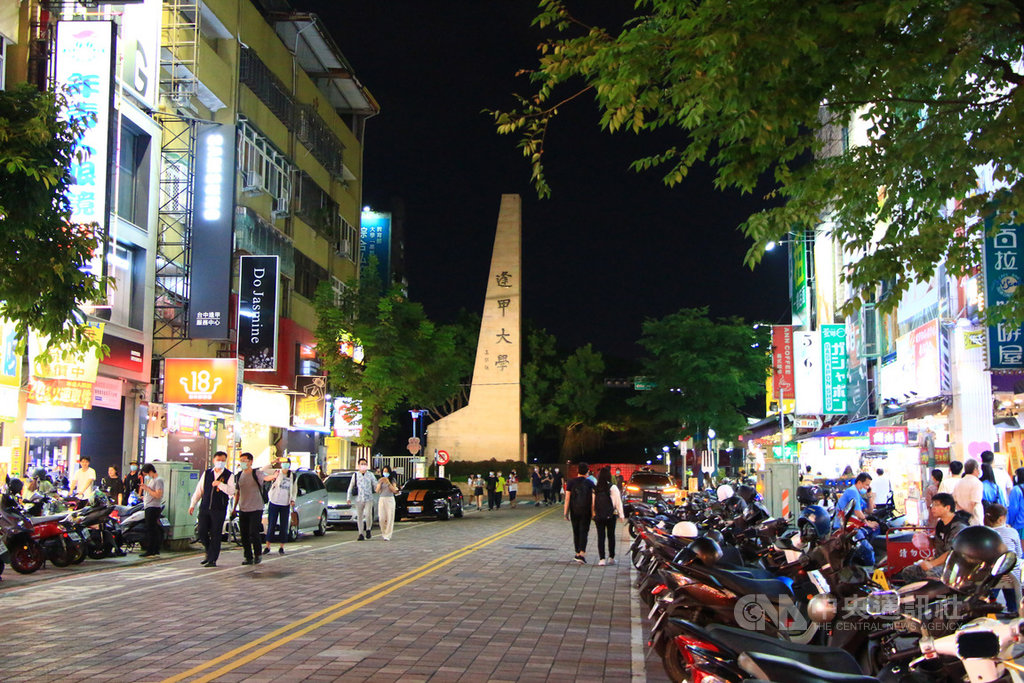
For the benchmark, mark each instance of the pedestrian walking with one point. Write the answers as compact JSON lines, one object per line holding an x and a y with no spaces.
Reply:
{"x":113,"y":487}
{"x":513,"y":488}
{"x":499,"y":490}
{"x":1016,"y":507}
{"x":492,"y":484}
{"x":478,"y":491}
{"x":949,"y":483}
{"x":545,"y":486}
{"x":386,"y":503}
{"x":579,"y":510}
{"x":620,"y":481}
{"x":362,"y":485}
{"x":991,"y":491}
{"x":999,"y":473}
{"x":558,"y":486}
{"x":995,"y":518}
{"x":969,"y":493}
{"x":131,"y":482}
{"x":607,"y":506}
{"x":535,"y":484}
{"x":280,"y":503}
{"x":152,"y":487}
{"x":250,"y":497}
{"x":213,"y":491}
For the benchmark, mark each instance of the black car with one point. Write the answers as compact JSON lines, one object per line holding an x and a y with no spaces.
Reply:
{"x":428,"y":498}
{"x":646,"y":486}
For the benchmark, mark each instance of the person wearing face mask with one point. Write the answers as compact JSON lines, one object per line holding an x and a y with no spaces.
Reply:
{"x":362,"y":485}
{"x":492,"y":490}
{"x":249,"y":501}
{"x":281,"y":501}
{"x":386,"y":503}
{"x":213,"y":491}
{"x":131,"y":482}
{"x":152,"y":488}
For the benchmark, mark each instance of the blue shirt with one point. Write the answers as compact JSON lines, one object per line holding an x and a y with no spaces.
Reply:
{"x":853,"y":493}
{"x":993,"y":493}
{"x":1015,"y":517}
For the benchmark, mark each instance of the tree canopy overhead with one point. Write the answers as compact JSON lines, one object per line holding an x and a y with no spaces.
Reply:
{"x":758,"y":89}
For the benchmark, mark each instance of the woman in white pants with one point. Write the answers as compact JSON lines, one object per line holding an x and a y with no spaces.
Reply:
{"x":386,"y":504}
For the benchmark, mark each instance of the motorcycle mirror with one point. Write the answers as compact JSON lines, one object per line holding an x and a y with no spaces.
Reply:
{"x":1004,"y":563}
{"x":883,"y":603}
{"x":822,"y":608}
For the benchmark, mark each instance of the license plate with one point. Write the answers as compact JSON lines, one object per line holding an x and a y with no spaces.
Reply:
{"x":415,"y":508}
{"x":651,"y":499}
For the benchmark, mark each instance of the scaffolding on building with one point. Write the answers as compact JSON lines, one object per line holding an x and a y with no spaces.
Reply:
{"x":179,"y":51}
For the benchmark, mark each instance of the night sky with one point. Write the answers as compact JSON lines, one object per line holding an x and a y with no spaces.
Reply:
{"x":610,"y":248}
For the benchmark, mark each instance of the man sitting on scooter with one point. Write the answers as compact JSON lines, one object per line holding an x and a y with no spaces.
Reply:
{"x":862,"y":502}
{"x":943,"y":508}
{"x":11,"y":499}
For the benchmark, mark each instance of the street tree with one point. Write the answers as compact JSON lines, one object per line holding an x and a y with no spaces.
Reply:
{"x":703,"y":371}
{"x":758,"y":89}
{"x":403,"y":352}
{"x":43,"y":281}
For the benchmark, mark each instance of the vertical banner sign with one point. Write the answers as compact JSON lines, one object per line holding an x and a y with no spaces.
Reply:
{"x":84,"y":64}
{"x":834,"y":371}
{"x":375,"y":240}
{"x":10,"y":359}
{"x":139,"y":48}
{"x":311,"y":401}
{"x":1003,"y":264}
{"x":798,"y":276}
{"x":782,"y":360}
{"x":212,"y":210}
{"x":257,"y":312}
{"x":807,"y":373}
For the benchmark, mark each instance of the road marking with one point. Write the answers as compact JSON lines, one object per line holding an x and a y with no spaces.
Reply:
{"x":342,"y":608}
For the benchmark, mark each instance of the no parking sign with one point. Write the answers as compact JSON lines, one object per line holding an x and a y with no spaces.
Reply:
{"x":443,"y":458}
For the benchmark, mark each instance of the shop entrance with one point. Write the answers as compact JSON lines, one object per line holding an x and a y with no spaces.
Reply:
{"x":52,"y":452}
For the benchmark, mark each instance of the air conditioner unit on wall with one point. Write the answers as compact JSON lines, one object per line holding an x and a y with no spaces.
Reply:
{"x":252,"y":181}
{"x":280,"y":208}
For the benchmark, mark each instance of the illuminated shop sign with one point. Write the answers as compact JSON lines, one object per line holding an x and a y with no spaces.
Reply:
{"x":257,"y":312}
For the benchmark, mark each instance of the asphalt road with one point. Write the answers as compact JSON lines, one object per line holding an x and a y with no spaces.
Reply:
{"x":490,"y":597}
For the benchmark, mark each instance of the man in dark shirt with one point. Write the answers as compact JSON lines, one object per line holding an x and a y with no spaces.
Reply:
{"x":579,"y":510}
{"x":557,"y":483}
{"x":943,"y":508}
{"x":132,"y":479}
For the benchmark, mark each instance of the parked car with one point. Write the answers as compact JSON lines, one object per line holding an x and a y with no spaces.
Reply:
{"x":339,"y":511}
{"x":428,"y":498}
{"x":310,"y":504}
{"x":645,"y":486}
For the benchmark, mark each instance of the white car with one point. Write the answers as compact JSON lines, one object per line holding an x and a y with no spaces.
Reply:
{"x":310,"y":504}
{"x":339,"y":510}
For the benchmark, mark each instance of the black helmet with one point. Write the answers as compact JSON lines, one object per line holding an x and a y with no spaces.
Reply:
{"x":14,"y":486}
{"x":747,"y":493}
{"x":735,"y":506}
{"x":976,"y":560}
{"x":39,"y":474}
{"x":716,"y":536}
{"x":703,"y":551}
{"x":814,"y":519}
{"x":756,"y":513}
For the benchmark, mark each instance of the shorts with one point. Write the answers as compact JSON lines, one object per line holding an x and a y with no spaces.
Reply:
{"x":478,"y":491}
{"x":512,"y":495}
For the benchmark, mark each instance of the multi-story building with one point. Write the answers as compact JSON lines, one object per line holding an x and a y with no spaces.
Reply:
{"x":235,"y":129}
{"x":266,"y":87}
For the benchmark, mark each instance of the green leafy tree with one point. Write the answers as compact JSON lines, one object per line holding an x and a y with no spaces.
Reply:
{"x":704,"y":371}
{"x":42,"y":282}
{"x":540,"y":380}
{"x":406,"y":357}
{"x":761,"y":89}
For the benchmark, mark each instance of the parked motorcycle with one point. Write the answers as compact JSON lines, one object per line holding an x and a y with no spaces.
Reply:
{"x":23,"y":552}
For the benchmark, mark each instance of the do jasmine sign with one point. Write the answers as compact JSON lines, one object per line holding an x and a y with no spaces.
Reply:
{"x":257,"y":312}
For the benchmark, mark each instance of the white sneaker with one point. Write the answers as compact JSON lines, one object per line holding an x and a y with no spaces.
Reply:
{"x":600,"y":563}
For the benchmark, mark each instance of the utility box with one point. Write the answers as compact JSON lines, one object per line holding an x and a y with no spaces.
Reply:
{"x":180,"y":480}
{"x":781,"y":480}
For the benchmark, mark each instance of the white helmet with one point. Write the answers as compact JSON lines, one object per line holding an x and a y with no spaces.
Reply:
{"x":725,"y":492}
{"x":685,"y":530}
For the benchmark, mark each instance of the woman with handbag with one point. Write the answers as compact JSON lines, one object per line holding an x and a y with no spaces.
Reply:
{"x":386,"y":503}
{"x":280,"y":508}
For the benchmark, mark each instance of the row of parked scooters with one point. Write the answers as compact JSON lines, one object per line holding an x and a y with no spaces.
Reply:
{"x":66,"y":531}
{"x":736,"y":595}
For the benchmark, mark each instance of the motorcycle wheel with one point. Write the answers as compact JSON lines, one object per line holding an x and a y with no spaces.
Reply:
{"x":632,"y":531}
{"x":98,"y":551}
{"x":78,"y":552}
{"x":60,"y":556}
{"x":27,"y":558}
{"x":675,"y":667}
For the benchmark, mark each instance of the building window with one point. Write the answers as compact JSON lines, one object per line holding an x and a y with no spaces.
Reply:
{"x":132,"y":176}
{"x":125,"y":302}
{"x":348,"y":244}
{"x":264,"y":169}
{"x":308,"y":275}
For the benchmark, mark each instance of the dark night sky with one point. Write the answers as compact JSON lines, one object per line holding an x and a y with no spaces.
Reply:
{"x":610,"y":248}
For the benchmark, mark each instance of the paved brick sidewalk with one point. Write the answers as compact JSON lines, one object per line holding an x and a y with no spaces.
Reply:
{"x":517,"y":609}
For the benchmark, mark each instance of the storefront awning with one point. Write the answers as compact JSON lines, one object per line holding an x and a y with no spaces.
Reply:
{"x":859,"y":428}
{"x":926,"y":408}
{"x":767,"y":426}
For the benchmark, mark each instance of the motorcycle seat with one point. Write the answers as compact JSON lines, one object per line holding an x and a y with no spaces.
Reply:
{"x":775,"y":668}
{"x":743,"y":585}
{"x":818,"y":656}
{"x":744,"y":570}
{"x":48,"y":518}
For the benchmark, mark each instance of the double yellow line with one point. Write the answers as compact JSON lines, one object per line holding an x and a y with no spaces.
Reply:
{"x":246,"y":653}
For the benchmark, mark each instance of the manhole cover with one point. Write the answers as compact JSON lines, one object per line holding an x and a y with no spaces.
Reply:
{"x":531,"y":547}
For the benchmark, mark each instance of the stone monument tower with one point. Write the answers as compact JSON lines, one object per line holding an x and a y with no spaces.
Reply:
{"x":490,"y":426}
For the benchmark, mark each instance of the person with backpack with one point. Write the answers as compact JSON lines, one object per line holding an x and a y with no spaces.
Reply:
{"x":579,"y":510}
{"x":280,"y":503}
{"x":1015,"y":516}
{"x":249,"y":501}
{"x":607,"y":504}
